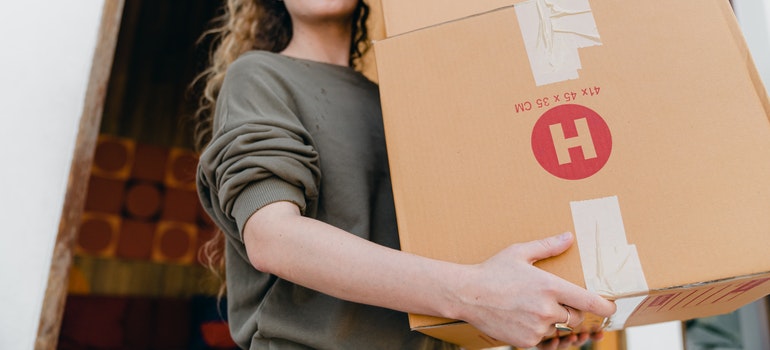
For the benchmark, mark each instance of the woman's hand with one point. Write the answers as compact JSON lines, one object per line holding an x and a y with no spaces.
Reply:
{"x":511,"y":300}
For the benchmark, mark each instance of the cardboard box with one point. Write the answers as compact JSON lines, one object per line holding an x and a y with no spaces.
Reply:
{"x":640,"y":126}
{"x":403,"y":16}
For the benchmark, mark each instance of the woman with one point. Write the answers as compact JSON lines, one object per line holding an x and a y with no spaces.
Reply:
{"x":295,"y":174}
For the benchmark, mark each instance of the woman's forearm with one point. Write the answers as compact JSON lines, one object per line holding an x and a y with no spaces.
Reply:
{"x":322,"y":257}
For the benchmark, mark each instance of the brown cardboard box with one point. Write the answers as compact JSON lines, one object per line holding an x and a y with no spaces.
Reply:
{"x":640,"y":126}
{"x":407,"y":15}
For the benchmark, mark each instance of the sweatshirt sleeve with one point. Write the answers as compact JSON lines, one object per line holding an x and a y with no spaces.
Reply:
{"x":260,"y":152}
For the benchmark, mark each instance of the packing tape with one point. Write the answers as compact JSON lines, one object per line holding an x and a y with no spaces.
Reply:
{"x":611,"y":266}
{"x":553,"y":30}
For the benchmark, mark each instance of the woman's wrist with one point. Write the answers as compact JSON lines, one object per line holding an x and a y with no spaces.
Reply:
{"x":459,"y":292}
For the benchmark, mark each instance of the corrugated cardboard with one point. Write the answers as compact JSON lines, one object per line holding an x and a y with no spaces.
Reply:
{"x":686,"y":160}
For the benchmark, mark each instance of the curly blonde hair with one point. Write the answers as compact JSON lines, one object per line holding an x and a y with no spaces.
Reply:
{"x":254,"y":25}
{"x":243,"y":26}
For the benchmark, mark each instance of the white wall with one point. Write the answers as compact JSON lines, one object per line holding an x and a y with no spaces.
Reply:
{"x":754,"y":17}
{"x":661,"y":336}
{"x":45,"y":59}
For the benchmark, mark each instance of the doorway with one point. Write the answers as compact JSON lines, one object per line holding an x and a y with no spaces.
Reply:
{"x":136,"y":281}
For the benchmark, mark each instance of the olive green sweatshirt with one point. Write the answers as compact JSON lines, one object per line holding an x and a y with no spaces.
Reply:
{"x":287,"y":129}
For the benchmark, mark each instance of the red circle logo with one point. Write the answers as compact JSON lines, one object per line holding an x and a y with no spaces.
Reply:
{"x":571,"y":142}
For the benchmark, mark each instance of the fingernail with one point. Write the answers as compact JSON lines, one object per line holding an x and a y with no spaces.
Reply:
{"x":565,"y":236}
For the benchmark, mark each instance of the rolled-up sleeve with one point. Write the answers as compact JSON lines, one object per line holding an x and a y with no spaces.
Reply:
{"x":260,"y":152}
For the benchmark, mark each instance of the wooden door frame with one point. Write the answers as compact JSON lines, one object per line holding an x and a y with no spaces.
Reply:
{"x":77,"y":184}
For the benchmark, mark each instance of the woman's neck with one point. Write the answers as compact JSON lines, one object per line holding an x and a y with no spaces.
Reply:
{"x":323,"y":42}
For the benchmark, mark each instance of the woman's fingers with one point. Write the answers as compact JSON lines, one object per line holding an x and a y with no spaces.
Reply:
{"x":545,"y":248}
{"x":571,"y":294}
{"x":573,"y":317}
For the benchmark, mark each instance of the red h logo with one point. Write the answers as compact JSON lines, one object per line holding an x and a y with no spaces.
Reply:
{"x":571,"y":142}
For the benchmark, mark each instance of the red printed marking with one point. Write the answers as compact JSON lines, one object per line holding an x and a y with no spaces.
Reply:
{"x":742,"y":288}
{"x":747,"y":287}
{"x":712,"y":295}
{"x":696,"y":298}
{"x":722,"y":297}
{"x":683,"y":299}
{"x":750,"y":285}
{"x":662,"y":300}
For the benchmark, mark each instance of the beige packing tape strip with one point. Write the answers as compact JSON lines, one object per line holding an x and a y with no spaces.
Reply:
{"x":611,"y":266}
{"x":553,"y":31}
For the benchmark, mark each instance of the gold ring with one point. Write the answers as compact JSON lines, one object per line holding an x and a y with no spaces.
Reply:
{"x":564,"y":326}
